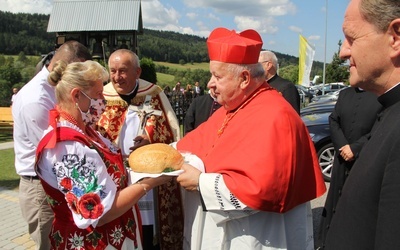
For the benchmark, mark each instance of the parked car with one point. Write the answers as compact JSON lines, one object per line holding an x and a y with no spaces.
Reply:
{"x":332,"y":96}
{"x":328,"y":88}
{"x":305,"y":94}
{"x":317,"y":122}
{"x":326,"y":107}
{"x":324,"y":98}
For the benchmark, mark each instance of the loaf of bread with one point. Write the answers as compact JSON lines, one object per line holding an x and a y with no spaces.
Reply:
{"x":155,"y":158}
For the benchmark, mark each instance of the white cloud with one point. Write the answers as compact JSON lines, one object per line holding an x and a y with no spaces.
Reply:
{"x":248,"y":8}
{"x":203,"y":33}
{"x":243,"y":23}
{"x":314,"y":37}
{"x":26,"y":6}
{"x":262,"y":25}
{"x":201,"y":25}
{"x":157,"y":16}
{"x":213,"y":17}
{"x":295,"y":29}
{"x":192,"y":15}
{"x":160,"y":16}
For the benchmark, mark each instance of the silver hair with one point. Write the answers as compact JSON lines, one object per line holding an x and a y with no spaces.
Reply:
{"x":256,"y":70}
{"x":269,"y":56}
{"x":380,"y":13}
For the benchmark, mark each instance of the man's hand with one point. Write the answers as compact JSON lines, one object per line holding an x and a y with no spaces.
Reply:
{"x":189,"y":179}
{"x":346,"y":153}
{"x":139,"y":141}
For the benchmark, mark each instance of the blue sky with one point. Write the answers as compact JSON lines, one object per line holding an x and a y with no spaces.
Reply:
{"x":278,"y":21}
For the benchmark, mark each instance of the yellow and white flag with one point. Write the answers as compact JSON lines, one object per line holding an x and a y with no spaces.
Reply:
{"x":306,"y":57}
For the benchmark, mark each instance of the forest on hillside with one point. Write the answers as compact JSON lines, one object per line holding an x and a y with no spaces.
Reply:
{"x":25,"y":35}
{"x":28,"y":33}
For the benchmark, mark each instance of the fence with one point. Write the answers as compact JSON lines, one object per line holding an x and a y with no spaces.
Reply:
{"x":180,"y":103}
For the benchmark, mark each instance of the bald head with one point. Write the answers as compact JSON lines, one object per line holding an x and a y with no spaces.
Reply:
{"x":127,"y":54}
{"x":124,"y":66}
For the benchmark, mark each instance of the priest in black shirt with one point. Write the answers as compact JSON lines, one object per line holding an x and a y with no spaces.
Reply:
{"x":367,"y":215}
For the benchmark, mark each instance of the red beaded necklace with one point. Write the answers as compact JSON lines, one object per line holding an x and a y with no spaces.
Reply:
{"x":66,"y":116}
{"x":90,"y":133}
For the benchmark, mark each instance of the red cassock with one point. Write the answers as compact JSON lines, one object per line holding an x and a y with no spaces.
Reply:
{"x":264,"y":153}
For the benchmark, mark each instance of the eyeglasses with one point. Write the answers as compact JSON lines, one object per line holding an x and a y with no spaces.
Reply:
{"x":264,"y":62}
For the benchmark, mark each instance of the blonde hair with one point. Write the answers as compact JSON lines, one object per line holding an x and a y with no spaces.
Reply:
{"x":82,"y":75}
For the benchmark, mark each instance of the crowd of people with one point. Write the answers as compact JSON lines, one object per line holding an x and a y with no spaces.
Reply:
{"x":250,"y":168}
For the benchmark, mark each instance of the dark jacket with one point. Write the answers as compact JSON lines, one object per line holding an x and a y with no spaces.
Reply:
{"x":198,"y":112}
{"x":367,"y":215}
{"x":350,"y":123}
{"x":287,"y":89}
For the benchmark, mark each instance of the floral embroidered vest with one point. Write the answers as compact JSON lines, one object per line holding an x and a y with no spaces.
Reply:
{"x":65,"y":234}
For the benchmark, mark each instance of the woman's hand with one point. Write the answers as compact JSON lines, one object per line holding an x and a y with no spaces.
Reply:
{"x":154,"y":182}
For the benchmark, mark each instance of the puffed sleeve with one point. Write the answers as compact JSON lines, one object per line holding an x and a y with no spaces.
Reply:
{"x":80,"y":174}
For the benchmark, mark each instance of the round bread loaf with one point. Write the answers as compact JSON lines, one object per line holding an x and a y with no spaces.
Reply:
{"x":155,"y":158}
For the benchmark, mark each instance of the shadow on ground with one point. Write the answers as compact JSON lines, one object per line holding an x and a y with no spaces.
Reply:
{"x":10,"y":184}
{"x":6,"y":133}
{"x":316,"y":221}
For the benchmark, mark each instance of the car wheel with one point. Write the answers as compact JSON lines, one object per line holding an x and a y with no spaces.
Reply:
{"x":326,"y":155}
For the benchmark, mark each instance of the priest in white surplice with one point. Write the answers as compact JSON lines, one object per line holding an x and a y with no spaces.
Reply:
{"x":251,"y":168}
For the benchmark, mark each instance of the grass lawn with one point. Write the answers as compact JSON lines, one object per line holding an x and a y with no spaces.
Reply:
{"x":203,"y":66}
{"x":8,"y":177}
{"x":165,"y":78}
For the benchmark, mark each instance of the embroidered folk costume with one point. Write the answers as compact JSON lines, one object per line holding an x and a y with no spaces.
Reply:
{"x":261,"y":168}
{"x":121,"y":125}
{"x":81,"y":175}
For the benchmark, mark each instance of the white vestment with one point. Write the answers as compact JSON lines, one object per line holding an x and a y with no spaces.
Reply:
{"x":130,"y":129}
{"x":230,"y":224}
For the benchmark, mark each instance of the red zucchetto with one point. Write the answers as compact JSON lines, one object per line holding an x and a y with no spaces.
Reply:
{"x":228,"y":46}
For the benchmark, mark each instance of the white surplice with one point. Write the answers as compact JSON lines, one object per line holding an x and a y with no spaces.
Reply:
{"x":227,"y":223}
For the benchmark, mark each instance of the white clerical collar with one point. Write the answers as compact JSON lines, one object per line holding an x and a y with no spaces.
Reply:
{"x":270,"y":78}
{"x":133,"y":90}
{"x":392,"y":87}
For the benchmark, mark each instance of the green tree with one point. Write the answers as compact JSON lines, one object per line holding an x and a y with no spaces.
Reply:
{"x":22,"y":57}
{"x":9,"y":77}
{"x":10,"y":74}
{"x":2,"y":60}
{"x":5,"y":93}
{"x":290,"y":72}
{"x":337,"y":71}
{"x":148,"y":70}
{"x":27,"y":73}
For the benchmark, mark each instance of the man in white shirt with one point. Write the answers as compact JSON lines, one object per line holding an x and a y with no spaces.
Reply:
{"x":30,"y":112}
